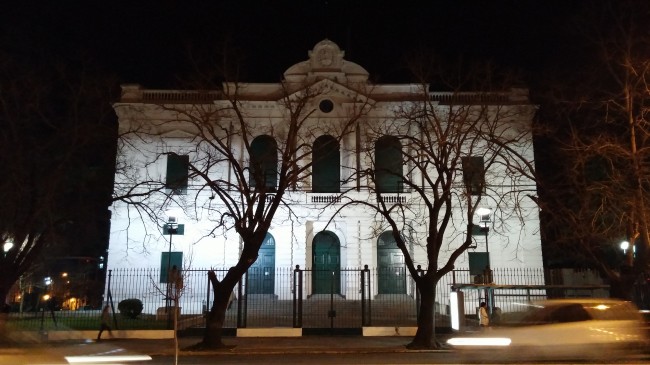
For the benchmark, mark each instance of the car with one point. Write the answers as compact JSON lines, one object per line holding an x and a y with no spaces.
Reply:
{"x":563,"y":328}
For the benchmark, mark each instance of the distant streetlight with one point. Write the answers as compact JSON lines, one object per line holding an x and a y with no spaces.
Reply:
{"x":628,"y":252}
{"x":7,"y":246}
{"x":624,"y":246}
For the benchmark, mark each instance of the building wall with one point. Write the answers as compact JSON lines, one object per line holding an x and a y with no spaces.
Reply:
{"x":137,"y":241}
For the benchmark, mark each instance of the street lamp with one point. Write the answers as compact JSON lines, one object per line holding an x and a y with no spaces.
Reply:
{"x":7,"y":246}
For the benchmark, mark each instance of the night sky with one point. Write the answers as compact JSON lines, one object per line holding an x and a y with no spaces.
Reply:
{"x":147,"y":42}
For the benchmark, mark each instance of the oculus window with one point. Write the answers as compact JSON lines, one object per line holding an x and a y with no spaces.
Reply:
{"x":326,"y":106}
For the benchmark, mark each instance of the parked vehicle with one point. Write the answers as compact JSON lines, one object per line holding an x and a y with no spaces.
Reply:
{"x":564,"y":328}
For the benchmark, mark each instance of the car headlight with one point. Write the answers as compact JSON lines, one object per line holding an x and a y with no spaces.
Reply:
{"x":479,"y":341}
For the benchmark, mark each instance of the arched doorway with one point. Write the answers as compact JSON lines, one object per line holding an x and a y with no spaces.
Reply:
{"x":261,"y":275}
{"x":326,"y":263}
{"x":390,"y":266}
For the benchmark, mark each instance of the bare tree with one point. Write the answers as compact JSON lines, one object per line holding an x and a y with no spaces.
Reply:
{"x":52,"y":117}
{"x":454,"y":152}
{"x":243,"y":167}
{"x":604,"y":100}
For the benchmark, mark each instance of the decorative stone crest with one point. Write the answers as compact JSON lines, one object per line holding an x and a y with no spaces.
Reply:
{"x":326,"y":54}
{"x":326,"y":62}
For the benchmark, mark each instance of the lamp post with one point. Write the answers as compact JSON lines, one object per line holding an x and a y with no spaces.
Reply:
{"x":172,"y":229}
{"x":484,"y":219}
{"x":628,"y":252}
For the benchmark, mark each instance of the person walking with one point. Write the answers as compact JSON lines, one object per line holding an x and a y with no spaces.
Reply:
{"x":483,"y":316}
{"x":106,"y":318}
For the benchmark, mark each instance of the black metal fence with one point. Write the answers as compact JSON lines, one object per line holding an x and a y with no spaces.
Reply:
{"x":290,"y":297}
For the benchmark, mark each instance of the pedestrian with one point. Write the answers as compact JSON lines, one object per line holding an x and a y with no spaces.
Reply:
{"x":106,"y":318}
{"x":483,"y":316}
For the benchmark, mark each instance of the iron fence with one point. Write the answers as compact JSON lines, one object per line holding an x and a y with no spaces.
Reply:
{"x":288,"y":297}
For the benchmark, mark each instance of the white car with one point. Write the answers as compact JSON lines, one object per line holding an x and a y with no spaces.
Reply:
{"x":564,"y":328}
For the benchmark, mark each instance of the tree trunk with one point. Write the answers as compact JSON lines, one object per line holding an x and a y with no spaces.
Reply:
{"x":622,"y":286}
{"x":212,"y":338}
{"x":4,"y":313}
{"x":425,"y":335}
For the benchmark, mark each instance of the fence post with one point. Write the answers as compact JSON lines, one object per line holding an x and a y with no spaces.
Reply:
{"x":332,"y":313}
{"x":242,"y":304}
{"x":208,"y":306}
{"x":110,"y":298}
{"x":417,"y":294}
{"x":366,"y":294}
{"x":297,"y":297}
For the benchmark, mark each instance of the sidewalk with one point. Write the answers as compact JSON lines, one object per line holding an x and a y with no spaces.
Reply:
{"x":276,"y":345}
{"x":58,"y":351}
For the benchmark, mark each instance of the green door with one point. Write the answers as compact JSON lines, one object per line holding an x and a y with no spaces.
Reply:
{"x":261,"y":275}
{"x":326,"y":264}
{"x":390,"y":266}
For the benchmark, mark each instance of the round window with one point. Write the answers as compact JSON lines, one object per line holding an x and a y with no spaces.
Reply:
{"x":326,"y":106}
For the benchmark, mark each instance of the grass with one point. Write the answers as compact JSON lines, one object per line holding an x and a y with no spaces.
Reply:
{"x":79,"y":320}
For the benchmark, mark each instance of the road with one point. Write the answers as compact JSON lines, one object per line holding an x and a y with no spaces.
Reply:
{"x":107,"y":352}
{"x":367,"y":358}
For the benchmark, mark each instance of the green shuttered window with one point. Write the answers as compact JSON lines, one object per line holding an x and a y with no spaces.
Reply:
{"x":326,"y":172}
{"x":388,"y":165}
{"x":474,"y":174}
{"x":177,"y":173}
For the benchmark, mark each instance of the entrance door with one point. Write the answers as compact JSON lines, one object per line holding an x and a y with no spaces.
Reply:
{"x":326,"y":263}
{"x":390,"y":266}
{"x":261,"y":275}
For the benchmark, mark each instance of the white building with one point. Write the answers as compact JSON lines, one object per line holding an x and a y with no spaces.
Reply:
{"x":151,"y":128}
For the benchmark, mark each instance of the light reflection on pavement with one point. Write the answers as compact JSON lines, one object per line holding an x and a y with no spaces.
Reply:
{"x":86,"y":352}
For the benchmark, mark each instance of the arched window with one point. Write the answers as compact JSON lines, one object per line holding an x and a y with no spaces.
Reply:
{"x":326,"y":171}
{"x":263,"y":163}
{"x":388,"y":165}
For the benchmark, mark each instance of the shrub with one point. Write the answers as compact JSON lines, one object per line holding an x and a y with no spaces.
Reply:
{"x":130,"y":308}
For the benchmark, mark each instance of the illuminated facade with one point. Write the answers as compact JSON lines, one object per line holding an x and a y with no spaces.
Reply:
{"x":351,"y":238}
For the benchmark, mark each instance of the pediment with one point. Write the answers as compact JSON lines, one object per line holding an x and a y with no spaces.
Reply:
{"x":334,"y":90}
{"x":177,"y":133}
